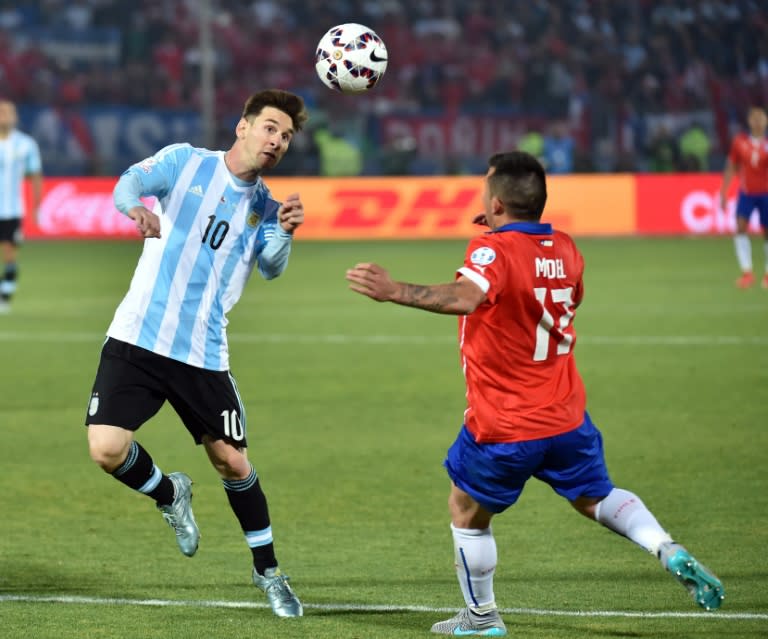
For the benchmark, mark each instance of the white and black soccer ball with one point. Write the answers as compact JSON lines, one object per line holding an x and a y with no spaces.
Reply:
{"x":351,"y":58}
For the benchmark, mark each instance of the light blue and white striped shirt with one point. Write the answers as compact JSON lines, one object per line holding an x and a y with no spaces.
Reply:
{"x":214,"y":229}
{"x":19,"y":156}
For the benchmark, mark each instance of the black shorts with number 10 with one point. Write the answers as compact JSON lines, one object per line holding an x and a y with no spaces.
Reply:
{"x":133,"y":383}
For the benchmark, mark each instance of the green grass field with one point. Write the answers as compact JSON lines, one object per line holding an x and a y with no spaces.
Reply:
{"x":351,"y":407}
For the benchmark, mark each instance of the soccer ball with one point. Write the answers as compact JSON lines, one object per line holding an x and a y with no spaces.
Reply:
{"x":351,"y":58}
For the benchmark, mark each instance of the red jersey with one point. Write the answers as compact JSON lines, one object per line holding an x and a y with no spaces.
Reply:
{"x":750,"y":155}
{"x":517,"y":346}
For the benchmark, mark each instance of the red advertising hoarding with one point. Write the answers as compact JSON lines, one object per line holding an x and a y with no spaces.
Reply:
{"x":685,"y":204}
{"x":443,"y":207}
{"x":79,"y":208}
{"x":427,"y":207}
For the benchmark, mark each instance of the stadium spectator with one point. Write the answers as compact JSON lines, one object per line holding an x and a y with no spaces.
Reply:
{"x":695,"y":148}
{"x":19,"y":158}
{"x":532,"y":142}
{"x":516,"y":296}
{"x":664,"y":151}
{"x":748,"y":158}
{"x":553,"y":59}
{"x":558,"y":149}
{"x":338,"y":154}
{"x":167,"y":341}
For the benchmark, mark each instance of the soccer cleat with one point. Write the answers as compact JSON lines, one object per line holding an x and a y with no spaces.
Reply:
{"x":746,"y":280}
{"x":468,"y":623}
{"x":706,"y":589}
{"x":179,"y":514}
{"x":283,"y":600}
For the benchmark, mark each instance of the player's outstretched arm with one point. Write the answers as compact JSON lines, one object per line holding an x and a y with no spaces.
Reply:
{"x":454,"y":298}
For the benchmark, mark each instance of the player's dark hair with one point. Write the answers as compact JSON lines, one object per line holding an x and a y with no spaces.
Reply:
{"x":520,"y":183}
{"x":289,"y":103}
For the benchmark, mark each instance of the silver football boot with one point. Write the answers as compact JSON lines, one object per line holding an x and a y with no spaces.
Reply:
{"x":283,"y":600}
{"x":179,"y":514}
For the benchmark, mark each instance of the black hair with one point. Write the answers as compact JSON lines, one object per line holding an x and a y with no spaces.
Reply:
{"x":520,"y":183}
{"x":289,"y":103}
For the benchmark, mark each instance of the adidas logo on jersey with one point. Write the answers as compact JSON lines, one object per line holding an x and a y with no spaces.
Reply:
{"x":196,"y":190}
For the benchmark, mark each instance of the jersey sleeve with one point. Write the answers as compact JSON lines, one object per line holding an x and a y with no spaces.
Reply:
{"x":34,"y":164}
{"x":127,"y":192}
{"x":273,"y":245}
{"x":482,"y":265}
{"x":158,"y":173}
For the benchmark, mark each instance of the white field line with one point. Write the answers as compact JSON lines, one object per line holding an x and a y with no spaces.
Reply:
{"x":285,"y":338}
{"x":350,"y":607}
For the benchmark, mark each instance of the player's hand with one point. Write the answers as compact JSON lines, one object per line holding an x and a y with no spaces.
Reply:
{"x":147,"y":223}
{"x":291,"y":213}
{"x":372,"y":280}
{"x":480,"y":219}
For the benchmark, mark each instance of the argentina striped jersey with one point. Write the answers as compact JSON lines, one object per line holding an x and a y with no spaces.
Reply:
{"x":214,"y":230}
{"x":19,"y":156}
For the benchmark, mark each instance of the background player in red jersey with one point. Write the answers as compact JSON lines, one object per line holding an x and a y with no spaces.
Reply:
{"x":748,"y":158}
{"x":517,"y":294}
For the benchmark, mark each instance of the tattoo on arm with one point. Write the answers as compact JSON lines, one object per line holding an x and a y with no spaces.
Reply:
{"x":439,"y":298}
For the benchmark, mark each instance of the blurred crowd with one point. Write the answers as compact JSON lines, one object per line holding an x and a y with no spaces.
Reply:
{"x":646,"y":85}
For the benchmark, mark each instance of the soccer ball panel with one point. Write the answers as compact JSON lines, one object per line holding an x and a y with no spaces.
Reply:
{"x":351,"y":58}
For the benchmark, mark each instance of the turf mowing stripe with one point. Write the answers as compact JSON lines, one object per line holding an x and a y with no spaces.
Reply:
{"x":181,"y":603}
{"x":277,"y":338}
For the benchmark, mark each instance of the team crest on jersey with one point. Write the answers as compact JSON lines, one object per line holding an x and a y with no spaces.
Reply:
{"x":253,"y":219}
{"x":482,"y":256}
{"x":93,"y":406}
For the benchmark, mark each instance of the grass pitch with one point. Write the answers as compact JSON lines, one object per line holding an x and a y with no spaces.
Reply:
{"x":351,"y":406}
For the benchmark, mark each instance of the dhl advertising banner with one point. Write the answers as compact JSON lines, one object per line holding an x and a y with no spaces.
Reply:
{"x":425,"y":207}
{"x":443,"y":207}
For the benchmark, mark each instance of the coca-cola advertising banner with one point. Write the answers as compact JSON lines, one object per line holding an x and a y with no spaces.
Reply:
{"x":426,"y":207}
{"x":686,"y":203}
{"x":79,"y":208}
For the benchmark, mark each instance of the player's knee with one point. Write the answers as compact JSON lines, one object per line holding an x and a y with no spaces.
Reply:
{"x":466,"y":512}
{"x":230,"y":462}
{"x":107,"y":452}
{"x":587,"y":506}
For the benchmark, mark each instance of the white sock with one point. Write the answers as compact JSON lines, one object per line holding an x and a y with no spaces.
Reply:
{"x":475,"y":556}
{"x":743,"y":252}
{"x":624,"y":513}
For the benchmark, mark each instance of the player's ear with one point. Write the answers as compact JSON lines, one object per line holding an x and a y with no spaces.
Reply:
{"x":241,"y":128}
{"x":497,"y":206}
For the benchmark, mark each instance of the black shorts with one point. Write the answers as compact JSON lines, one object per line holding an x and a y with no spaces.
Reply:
{"x":10,"y":231}
{"x":132,"y":384}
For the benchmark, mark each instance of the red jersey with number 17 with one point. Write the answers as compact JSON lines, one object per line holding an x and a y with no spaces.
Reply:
{"x":750,"y":155}
{"x":517,"y":346}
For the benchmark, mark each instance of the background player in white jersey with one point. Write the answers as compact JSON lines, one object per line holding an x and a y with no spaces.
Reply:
{"x":19,"y":158}
{"x":214,"y":222}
